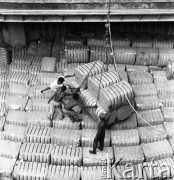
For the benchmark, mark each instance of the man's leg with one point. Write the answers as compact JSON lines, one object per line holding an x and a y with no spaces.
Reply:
{"x":95,"y":143}
{"x":101,"y":141}
{"x":51,"y":113}
{"x":60,"y":111}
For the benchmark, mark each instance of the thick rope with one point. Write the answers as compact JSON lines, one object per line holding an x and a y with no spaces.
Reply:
{"x":115,"y":65}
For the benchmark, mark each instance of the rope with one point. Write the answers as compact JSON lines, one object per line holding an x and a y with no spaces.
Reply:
{"x":125,"y":94}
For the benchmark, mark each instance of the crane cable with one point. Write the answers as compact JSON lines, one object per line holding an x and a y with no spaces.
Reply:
{"x":115,"y":65}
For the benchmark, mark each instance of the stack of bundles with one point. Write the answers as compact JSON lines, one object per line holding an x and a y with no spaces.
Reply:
{"x":153,"y":117}
{"x":169,"y":129}
{"x":81,"y":72}
{"x":163,"y":44}
{"x":165,"y":56}
{"x":57,"y":47}
{"x":159,"y":76}
{"x":66,"y":137}
{"x":157,"y":150}
{"x":77,"y":54}
{"x":88,"y":136}
{"x":33,"y":48}
{"x":48,"y":64}
{"x":38,"y":134}
{"x":66,"y":124}
{"x":44,"y":49}
{"x":2,"y":123}
{"x":129,"y":154}
{"x":167,"y":100}
{"x":165,"y":87}
{"x":19,"y":50}
{"x":20,"y":59}
{"x":36,"y":61}
{"x":148,"y":134}
{"x":3,"y":68}
{"x":66,"y":156}
{"x":63,"y":172}
{"x":17,"y":34}
{"x":14,"y":133}
{"x":124,"y":55}
{"x":74,"y":41}
{"x":36,"y":152}
{"x":30,"y":170}
{"x":34,"y":69}
{"x":6,"y":167}
{"x":96,"y":42}
{"x":142,"y":43}
{"x":134,"y":69}
{"x":47,"y":78}
{"x":168,"y":113}
{"x":10,"y":149}
{"x":147,"y":56}
{"x":38,"y":105}
{"x":102,"y":80}
{"x":121,"y":42}
{"x":99,"y":53}
{"x":16,"y":89}
{"x":4,"y":56}
{"x":95,"y":160}
{"x":19,"y":67}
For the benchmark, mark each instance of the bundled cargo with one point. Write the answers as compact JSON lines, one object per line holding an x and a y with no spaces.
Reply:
{"x":4,"y":68}
{"x":19,"y":78}
{"x":163,"y":44}
{"x":81,"y":72}
{"x":66,"y":123}
{"x":142,"y":43}
{"x":47,"y":78}
{"x":18,"y":67}
{"x":120,"y":67}
{"x":169,"y":128}
{"x":128,"y":137}
{"x":2,"y":123}
{"x":114,"y":96}
{"x":95,"y":160}
{"x":123,"y":75}
{"x":9,"y":149}
{"x":34,"y":69}
{"x":18,"y":89}
{"x":16,"y":102}
{"x":125,"y":55}
{"x":147,"y":56}
{"x":74,"y":41}
{"x":129,"y":154}
{"x":6,"y":167}
{"x":138,"y":79}
{"x":64,"y":137}
{"x":88,"y":136}
{"x":3,"y":77}
{"x":19,"y":50}
{"x":165,"y":56}
{"x":168,"y":113}
{"x":30,"y":170}
{"x":25,"y":59}
{"x":102,"y":80}
{"x":4,"y":56}
{"x":129,"y":123}
{"x":33,"y":48}
{"x":159,"y":76}
{"x":149,"y":135}
{"x":153,"y":117}
{"x":88,"y":122}
{"x":48,"y":64}
{"x":147,"y":103}
{"x":34,"y":152}
{"x":144,"y":90}
{"x":38,"y":105}
{"x":96,"y":42}
{"x":165,"y":87}
{"x":2,"y":96}
{"x":36,"y":61}
{"x":14,"y":133}
{"x":2,"y":109}
{"x":155,"y":68}
{"x":167,"y":100}
{"x":157,"y":150}
{"x":131,"y":69}
{"x":33,"y":80}
{"x":63,"y":172}
{"x":170,"y":69}
{"x":38,"y":134}
{"x":67,"y":156}
{"x":77,"y":54}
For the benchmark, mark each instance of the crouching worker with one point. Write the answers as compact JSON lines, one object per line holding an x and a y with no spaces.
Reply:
{"x":100,"y":136}
{"x":57,"y":98}
{"x":68,"y":108}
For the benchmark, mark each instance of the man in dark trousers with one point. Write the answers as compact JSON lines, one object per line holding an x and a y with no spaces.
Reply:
{"x":100,"y":136}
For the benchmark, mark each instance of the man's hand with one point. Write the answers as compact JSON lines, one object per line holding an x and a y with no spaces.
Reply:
{"x":48,"y":102}
{"x":95,"y":106}
{"x":41,"y":92}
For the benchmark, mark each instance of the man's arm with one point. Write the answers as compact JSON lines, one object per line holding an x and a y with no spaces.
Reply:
{"x":52,"y":97}
{"x":46,"y":89}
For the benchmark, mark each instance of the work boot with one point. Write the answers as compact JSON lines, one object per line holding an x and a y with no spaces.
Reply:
{"x":92,"y":151}
{"x":94,"y":148}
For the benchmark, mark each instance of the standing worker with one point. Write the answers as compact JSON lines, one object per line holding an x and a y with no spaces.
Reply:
{"x":100,"y":136}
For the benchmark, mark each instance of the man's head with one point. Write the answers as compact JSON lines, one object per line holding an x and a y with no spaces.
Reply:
{"x":63,"y":88}
{"x":75,"y":96}
{"x":60,"y":80}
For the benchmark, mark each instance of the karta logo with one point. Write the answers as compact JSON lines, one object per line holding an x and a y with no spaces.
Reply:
{"x":132,"y":172}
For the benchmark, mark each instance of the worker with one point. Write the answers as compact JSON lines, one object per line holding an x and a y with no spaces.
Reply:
{"x":57,"y":98}
{"x":100,"y":136}
{"x":55,"y":85}
{"x":68,"y":108}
